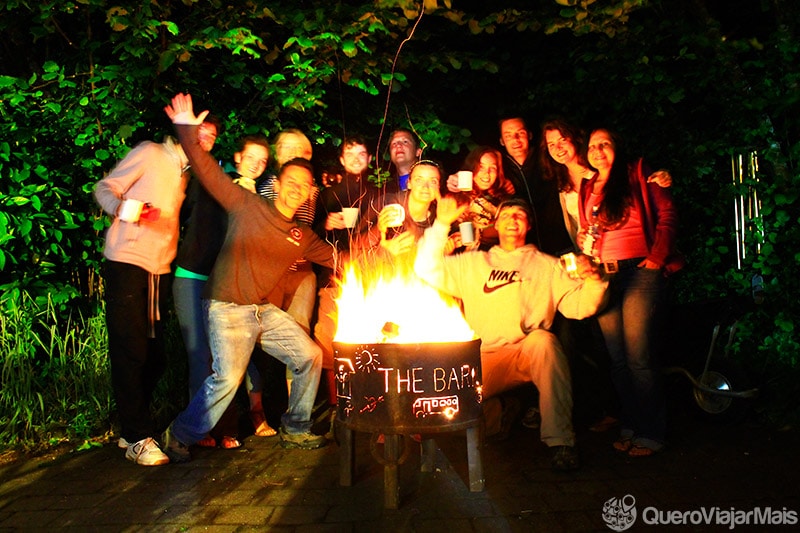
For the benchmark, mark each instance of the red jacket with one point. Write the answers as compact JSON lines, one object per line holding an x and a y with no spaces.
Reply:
{"x":659,"y":216}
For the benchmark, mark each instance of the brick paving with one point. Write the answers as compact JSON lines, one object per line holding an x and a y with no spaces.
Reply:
{"x":264,"y":487}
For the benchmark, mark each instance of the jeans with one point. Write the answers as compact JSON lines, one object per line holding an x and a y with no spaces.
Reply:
{"x":299,"y":300}
{"x":137,"y":360}
{"x":194,"y":329}
{"x":628,"y":326}
{"x":233,"y":332}
{"x":193,"y":318}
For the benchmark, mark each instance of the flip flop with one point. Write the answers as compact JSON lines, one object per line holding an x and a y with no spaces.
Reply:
{"x":229,"y":443}
{"x":207,"y":442}
{"x":623,"y":445}
{"x":637,"y":450}
{"x":260,"y":426}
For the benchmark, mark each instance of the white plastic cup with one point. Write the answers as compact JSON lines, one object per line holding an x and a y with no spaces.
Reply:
{"x":130,"y":210}
{"x":569,"y":265}
{"x":467,"y":232}
{"x":350,"y":215}
{"x":464,"y":180}
{"x":398,"y":217}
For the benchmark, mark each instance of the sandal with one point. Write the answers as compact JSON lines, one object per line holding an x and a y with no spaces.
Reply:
{"x":637,"y":450}
{"x":207,"y":442}
{"x":623,"y":445}
{"x":229,"y":443}
{"x":260,"y":426}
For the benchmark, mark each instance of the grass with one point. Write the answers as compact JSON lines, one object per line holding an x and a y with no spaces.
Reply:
{"x":55,"y":380}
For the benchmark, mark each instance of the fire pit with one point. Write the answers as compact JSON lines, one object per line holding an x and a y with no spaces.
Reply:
{"x":406,"y":363}
{"x":408,"y":388}
{"x":395,"y":390}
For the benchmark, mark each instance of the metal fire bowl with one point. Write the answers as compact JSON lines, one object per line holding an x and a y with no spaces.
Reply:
{"x":408,"y":388}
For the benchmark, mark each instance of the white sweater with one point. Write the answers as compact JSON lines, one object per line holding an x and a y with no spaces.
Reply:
{"x":506,"y":294}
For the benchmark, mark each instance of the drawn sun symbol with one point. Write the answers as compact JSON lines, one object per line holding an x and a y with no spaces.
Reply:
{"x":366,"y":361}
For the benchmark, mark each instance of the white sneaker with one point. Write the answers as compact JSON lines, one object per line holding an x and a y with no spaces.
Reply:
{"x":122,"y":443}
{"x":146,"y":452}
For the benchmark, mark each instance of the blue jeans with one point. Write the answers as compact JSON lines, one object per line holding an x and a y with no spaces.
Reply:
{"x":233,"y":332}
{"x":627,"y":325}
{"x":186,"y":292}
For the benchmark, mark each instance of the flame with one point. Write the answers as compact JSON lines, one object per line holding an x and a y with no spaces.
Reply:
{"x":379,"y":303}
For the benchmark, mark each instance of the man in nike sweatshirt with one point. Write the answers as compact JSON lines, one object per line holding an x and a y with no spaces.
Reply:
{"x":510,"y":296}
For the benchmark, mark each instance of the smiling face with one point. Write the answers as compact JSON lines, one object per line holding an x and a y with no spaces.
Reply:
{"x":293,"y":187}
{"x":515,"y":137}
{"x":355,"y":159}
{"x":486,"y":173}
{"x":560,"y":148}
{"x":423,"y":184}
{"x":251,"y":161}
{"x":512,"y":225}
{"x":601,"y":150}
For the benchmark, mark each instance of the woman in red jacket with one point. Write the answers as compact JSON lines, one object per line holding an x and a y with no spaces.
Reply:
{"x":629,"y":227}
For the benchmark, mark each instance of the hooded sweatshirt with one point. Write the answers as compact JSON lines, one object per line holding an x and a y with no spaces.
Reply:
{"x":152,"y":173}
{"x":506,"y":294}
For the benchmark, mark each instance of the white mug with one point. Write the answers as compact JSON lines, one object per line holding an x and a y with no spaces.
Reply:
{"x":464,"y":180}
{"x":350,"y":215}
{"x":467,"y":232}
{"x":130,"y":210}
{"x":398,"y":215}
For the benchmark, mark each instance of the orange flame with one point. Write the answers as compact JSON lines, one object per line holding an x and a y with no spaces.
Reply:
{"x":393,"y":305}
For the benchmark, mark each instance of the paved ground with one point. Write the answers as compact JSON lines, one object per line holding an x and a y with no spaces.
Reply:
{"x":264,"y":487}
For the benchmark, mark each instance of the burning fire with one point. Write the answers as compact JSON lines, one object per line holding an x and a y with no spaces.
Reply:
{"x":393,"y":305}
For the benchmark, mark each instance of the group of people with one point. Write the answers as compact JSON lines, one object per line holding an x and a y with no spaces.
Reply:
{"x":244,"y":279}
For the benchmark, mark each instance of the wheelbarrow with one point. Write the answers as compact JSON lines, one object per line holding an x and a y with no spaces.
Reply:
{"x":714,"y":388}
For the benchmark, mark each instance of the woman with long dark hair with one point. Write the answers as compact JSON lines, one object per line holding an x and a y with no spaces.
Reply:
{"x":629,"y":226}
{"x":562,"y":155}
{"x":489,"y":188}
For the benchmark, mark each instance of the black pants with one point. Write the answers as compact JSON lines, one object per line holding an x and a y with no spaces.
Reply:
{"x":135,"y":343}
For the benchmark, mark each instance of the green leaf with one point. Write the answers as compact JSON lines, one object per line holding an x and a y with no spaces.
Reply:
{"x":349,"y":48}
{"x":171,"y":27}
{"x":7,"y":81}
{"x":19,"y":200}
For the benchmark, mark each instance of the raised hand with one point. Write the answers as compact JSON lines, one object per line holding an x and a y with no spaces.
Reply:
{"x":181,"y":110}
{"x":448,"y":210}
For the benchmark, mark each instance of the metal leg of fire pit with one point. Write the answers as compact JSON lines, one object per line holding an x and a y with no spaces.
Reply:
{"x":476,"y":480}
{"x":391,"y":482}
{"x":347,"y":455}
{"x":392,"y":459}
{"x":428,"y":455}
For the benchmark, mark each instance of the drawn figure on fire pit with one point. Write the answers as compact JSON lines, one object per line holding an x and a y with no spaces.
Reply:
{"x":510,"y":296}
